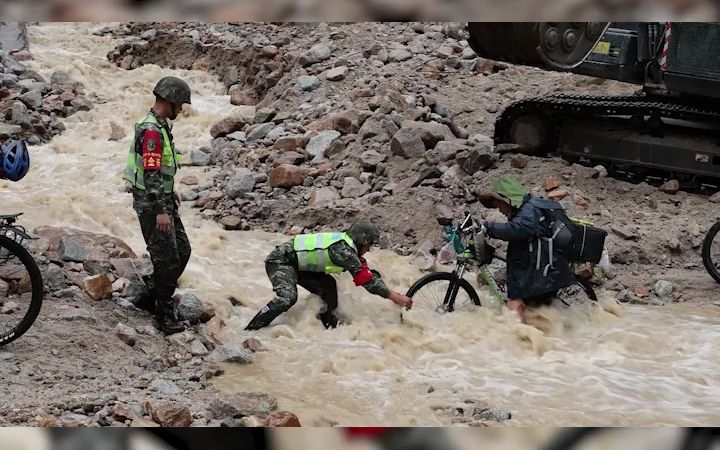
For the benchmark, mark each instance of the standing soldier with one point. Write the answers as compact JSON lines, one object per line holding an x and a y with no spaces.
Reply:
{"x":151,"y":168}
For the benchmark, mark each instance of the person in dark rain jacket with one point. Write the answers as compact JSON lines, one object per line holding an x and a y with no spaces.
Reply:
{"x":535,"y":271}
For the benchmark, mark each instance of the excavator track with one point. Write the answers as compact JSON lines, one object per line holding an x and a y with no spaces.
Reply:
{"x":559,"y":110}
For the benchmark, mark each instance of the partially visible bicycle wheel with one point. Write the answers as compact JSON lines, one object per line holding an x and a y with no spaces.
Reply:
{"x":711,"y":252}
{"x":579,"y":292}
{"x":21,"y":290}
{"x":443,"y":292}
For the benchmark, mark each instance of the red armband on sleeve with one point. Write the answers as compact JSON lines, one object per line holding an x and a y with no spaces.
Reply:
{"x":364,"y":276}
{"x":152,"y":150}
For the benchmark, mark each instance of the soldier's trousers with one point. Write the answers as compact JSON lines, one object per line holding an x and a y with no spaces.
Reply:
{"x":169,"y":252}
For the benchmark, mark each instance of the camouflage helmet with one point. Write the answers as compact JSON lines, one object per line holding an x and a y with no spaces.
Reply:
{"x":173,"y":90}
{"x":364,"y":233}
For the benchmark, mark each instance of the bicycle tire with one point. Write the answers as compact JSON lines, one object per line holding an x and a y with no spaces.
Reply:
{"x":712,"y":269}
{"x":38,"y":290}
{"x":444,"y":276}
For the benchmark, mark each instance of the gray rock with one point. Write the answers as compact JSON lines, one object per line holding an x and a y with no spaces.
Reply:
{"x":72,"y":251}
{"x":475,"y":160}
{"x":264,"y":115}
{"x":126,"y":334}
{"x":9,"y":80}
{"x":337,"y":73}
{"x":308,"y":82}
{"x":54,"y":278}
{"x":275,"y":133}
{"x":189,"y":195}
{"x":4,"y":288}
{"x":323,"y":197}
{"x":164,"y":387}
{"x":369,"y":159}
{"x":197,"y":348}
{"x":468,"y":53}
{"x":497,"y":415}
{"x":242,"y":404}
{"x":399,"y":55}
{"x":242,"y":182}
{"x":9,"y":307}
{"x":231,"y":353}
{"x":13,"y":66}
{"x":61,"y":78}
{"x":20,"y":115}
{"x":354,"y":188}
{"x":600,"y":171}
{"x":33,"y":99}
{"x":8,"y":130}
{"x":259,"y":131}
{"x":318,"y":144}
{"x":189,"y":308}
{"x":316,"y":54}
{"x":663,"y":288}
{"x":199,"y":158}
{"x":445,"y":151}
{"x":237,"y":136}
{"x":407,"y":143}
{"x":715,"y":198}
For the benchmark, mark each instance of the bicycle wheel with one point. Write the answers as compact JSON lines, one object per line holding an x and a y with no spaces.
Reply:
{"x":578,"y":292}
{"x":434,"y":291}
{"x":21,"y":290}
{"x":711,"y":252}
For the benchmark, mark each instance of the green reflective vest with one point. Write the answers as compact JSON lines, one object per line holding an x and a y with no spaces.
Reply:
{"x":135,"y":172}
{"x":312,"y":251}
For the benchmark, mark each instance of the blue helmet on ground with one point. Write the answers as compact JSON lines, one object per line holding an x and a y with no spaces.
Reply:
{"x":15,"y":160}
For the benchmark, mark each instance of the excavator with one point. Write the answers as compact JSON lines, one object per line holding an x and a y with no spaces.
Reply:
{"x":669,"y":130}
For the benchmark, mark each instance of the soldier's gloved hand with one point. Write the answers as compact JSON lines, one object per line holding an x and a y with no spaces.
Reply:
{"x":163,"y":222}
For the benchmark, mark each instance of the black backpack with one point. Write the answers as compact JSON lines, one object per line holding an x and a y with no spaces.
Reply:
{"x":577,"y":240}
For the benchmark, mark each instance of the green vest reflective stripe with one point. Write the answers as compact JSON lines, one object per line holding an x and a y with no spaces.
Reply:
{"x":135,"y":172}
{"x":312,"y":251}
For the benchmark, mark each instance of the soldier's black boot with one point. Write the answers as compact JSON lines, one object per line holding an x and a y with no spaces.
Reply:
{"x":329,"y":319}
{"x":264,"y":317}
{"x":167,"y":322}
{"x":145,"y":301}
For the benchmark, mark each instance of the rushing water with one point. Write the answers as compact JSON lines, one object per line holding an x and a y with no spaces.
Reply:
{"x":613,"y":365}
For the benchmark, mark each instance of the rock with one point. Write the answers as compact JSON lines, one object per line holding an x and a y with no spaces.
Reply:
{"x":407,"y":143}
{"x":189,"y":307}
{"x":33,"y":99}
{"x":228,"y":125}
{"x":98,"y":287}
{"x":231,"y":222}
{"x":475,"y":161}
{"x":670,"y":187}
{"x":126,"y":334}
{"x":519,"y":161}
{"x":117,"y":133}
{"x":445,"y":151}
{"x":240,"y":98}
{"x":61,"y":78}
{"x":189,"y":195}
{"x":663,"y":288}
{"x":237,"y":136}
{"x":580,"y":201}
{"x":626,"y":234}
{"x":493,"y":414}
{"x":9,"y":307}
{"x":323,"y":197}
{"x":54,"y":278}
{"x":242,"y":182}
{"x":558,"y":194}
{"x":468,"y":53}
{"x":288,"y":143}
{"x":281,"y":419}
{"x":337,"y":73}
{"x":369,"y":159}
{"x":600,"y":171}
{"x":242,"y":404}
{"x":189,"y":180}
{"x":253,"y":345}
{"x":320,"y":143}
{"x":9,"y":131}
{"x":259,"y":131}
{"x":264,"y":115}
{"x":164,"y":387}
{"x":199,"y":158}
{"x":4,"y":288}
{"x":171,"y":415}
{"x":197,"y":348}
{"x":715,"y":198}
{"x":308,"y":82}
{"x":354,"y":188}
{"x":19,"y":115}
{"x":399,"y":55}
{"x":551,"y":183}
{"x":642,"y":292}
{"x":316,"y":54}
{"x":231,"y":353}
{"x":286,"y":176}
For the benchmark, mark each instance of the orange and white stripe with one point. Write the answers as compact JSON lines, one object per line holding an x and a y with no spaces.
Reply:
{"x":666,"y":46}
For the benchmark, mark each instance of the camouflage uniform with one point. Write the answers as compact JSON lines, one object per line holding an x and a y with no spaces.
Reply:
{"x":281,"y":266}
{"x":169,"y":251}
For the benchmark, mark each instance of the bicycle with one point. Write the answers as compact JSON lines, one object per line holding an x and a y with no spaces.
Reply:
{"x":711,"y":252}
{"x":475,"y":251}
{"x":21,"y":282}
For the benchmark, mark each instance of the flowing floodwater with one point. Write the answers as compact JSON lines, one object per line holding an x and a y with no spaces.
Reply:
{"x":618,"y":366}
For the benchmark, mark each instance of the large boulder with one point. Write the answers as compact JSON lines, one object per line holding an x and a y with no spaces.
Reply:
{"x":80,"y":246}
{"x":241,"y":182}
{"x":228,"y":125}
